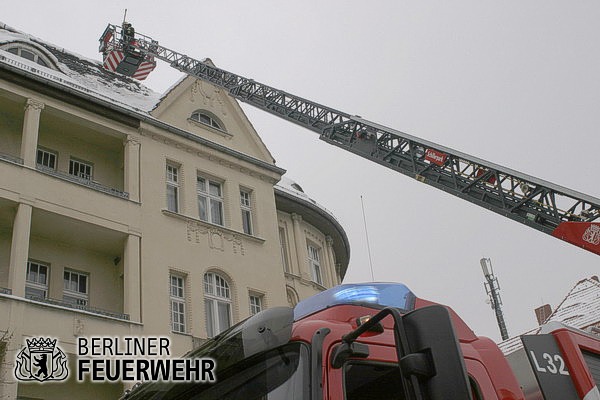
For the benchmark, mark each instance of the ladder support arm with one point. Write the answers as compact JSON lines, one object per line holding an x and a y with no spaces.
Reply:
{"x":547,"y":207}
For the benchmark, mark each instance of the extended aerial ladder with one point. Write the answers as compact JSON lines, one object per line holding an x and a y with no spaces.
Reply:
{"x":558,"y":211}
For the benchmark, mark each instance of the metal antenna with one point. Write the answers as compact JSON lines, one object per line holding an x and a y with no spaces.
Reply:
{"x":492,"y":288}
{"x":367,"y":236}
{"x":125,"y":16}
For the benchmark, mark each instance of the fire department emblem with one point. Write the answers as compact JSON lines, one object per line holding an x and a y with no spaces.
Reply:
{"x":41,"y":361}
{"x":592,"y":234}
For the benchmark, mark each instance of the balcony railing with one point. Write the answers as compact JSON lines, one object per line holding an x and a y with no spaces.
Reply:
{"x":68,"y":177}
{"x":93,"y":310}
{"x":5,"y":290}
{"x":11,"y":159}
{"x":82,"y":181}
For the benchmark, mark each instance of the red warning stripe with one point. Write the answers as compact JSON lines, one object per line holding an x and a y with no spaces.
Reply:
{"x":113,"y":59}
{"x":144,"y":70}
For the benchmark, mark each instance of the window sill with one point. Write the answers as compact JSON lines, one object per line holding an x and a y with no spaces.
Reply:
{"x":305,"y":282}
{"x":209,"y":225}
{"x":219,"y":132}
{"x":187,"y":334}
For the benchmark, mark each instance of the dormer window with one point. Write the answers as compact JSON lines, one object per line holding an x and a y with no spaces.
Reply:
{"x":297,"y":187}
{"x":207,"y":119}
{"x":29,"y":53}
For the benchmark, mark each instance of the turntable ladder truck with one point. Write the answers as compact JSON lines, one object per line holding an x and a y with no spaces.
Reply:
{"x":378,"y":340}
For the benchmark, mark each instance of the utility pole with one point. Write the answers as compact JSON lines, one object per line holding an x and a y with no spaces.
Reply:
{"x":492,"y":288}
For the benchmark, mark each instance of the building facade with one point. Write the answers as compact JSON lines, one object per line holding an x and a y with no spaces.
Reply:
{"x":124,"y":212}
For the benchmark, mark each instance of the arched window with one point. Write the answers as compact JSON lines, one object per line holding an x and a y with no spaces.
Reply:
{"x":292,"y":296}
{"x":29,"y":53}
{"x":207,"y":118}
{"x":217,"y":303}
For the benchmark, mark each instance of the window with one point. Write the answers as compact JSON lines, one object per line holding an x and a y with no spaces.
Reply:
{"x":372,"y":381}
{"x":284,"y":251}
{"x":177,"y":293}
{"x":207,"y":119}
{"x":172,"y":188}
{"x":314,"y":261}
{"x":75,"y":288}
{"x":217,"y":304}
{"x":28,"y":54}
{"x":245,"y":204}
{"x":256,"y":304}
{"x":36,"y":282}
{"x":210,"y":200}
{"x":46,"y":158}
{"x":279,"y":374}
{"x":81,"y":169}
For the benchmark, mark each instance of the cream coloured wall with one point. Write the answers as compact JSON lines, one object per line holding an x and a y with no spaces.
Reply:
{"x":75,"y":389}
{"x":70,"y":225}
{"x":5,"y":240}
{"x":190,"y":247}
{"x":300,"y":279}
{"x":11,"y":126}
{"x":192,"y":95}
{"x":28,"y":319}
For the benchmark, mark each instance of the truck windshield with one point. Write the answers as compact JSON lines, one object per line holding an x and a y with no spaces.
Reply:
{"x":278,"y":374}
{"x":254,"y":357}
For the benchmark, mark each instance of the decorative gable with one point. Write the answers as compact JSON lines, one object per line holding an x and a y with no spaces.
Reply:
{"x":209,"y":112}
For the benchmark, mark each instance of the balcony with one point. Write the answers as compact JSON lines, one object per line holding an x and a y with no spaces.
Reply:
{"x":70,"y":264}
{"x":78,"y":149}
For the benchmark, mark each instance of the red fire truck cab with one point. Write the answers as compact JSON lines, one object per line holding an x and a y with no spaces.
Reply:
{"x":345,"y":343}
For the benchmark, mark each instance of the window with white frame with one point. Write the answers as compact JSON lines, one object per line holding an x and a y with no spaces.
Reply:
{"x":80,"y":169}
{"x":284,"y":249}
{"x":46,"y":158}
{"x":172,"y":188}
{"x":210,"y":200}
{"x":75,"y":287}
{"x":314,"y":260}
{"x":246,"y":206}
{"x":177,"y":296}
{"x":29,"y":54}
{"x":36,"y":280}
{"x":207,"y":119}
{"x":256,"y":303}
{"x":217,"y":304}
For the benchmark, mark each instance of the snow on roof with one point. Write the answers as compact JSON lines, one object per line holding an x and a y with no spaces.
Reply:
{"x":579,"y":309}
{"x":79,"y":73}
{"x":291,"y":187}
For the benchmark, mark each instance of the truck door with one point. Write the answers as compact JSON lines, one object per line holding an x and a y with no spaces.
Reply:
{"x":479,"y":379}
{"x":374,"y":378}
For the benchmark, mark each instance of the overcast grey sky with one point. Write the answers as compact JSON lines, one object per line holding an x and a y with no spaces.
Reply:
{"x":513,"y":82}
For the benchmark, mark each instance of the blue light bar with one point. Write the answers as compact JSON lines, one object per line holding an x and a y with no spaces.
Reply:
{"x":377,"y":295}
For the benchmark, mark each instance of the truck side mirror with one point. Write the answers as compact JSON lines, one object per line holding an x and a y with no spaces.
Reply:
{"x":430,"y":360}
{"x":433,"y":358}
